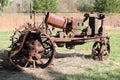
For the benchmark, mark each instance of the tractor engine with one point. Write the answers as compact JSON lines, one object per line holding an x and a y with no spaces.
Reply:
{"x":71,"y":27}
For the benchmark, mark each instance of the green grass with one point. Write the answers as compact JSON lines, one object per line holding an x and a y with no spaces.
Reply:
{"x":115,"y":45}
{"x":98,"y":71}
{"x":95,"y":71}
{"x":108,"y":70}
{"x":5,"y":40}
{"x":90,"y":75}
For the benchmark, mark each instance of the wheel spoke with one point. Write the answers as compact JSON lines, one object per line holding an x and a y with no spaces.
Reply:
{"x":26,"y":64}
{"x":41,"y":61}
{"x":46,"y":40}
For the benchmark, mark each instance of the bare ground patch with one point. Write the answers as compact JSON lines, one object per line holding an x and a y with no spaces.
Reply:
{"x":65,"y":64}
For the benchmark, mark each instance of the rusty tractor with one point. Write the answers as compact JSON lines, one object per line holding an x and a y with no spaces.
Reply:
{"x":34,"y":45}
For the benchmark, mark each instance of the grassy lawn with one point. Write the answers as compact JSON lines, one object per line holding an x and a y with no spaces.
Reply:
{"x":5,"y":39}
{"x":106,"y":70}
{"x":94,"y":75}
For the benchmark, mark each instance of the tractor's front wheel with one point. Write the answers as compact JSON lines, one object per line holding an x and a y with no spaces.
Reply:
{"x":101,"y":50}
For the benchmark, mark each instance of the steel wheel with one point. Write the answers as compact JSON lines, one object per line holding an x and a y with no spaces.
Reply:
{"x":45,"y":57}
{"x":49,"y":51}
{"x":105,"y":50}
{"x":101,"y":51}
{"x":19,"y":55}
{"x":15,"y":57}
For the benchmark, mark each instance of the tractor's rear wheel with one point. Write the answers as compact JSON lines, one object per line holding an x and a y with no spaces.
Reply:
{"x":19,"y":57}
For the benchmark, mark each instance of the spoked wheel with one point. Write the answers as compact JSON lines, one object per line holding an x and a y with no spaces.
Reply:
{"x":101,"y":50}
{"x":105,"y":50}
{"x":15,"y":57}
{"x":49,"y":51}
{"x":41,"y":53}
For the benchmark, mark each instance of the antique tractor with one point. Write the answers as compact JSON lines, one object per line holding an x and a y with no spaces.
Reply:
{"x":34,"y":45}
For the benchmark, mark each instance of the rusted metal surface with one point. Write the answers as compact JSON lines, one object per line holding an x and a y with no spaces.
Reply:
{"x":33,"y":45}
{"x":55,"y":21}
{"x":35,"y":49}
{"x":85,"y":39}
{"x":101,"y":50}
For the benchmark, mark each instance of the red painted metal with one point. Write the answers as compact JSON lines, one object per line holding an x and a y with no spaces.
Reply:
{"x":56,"y":21}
